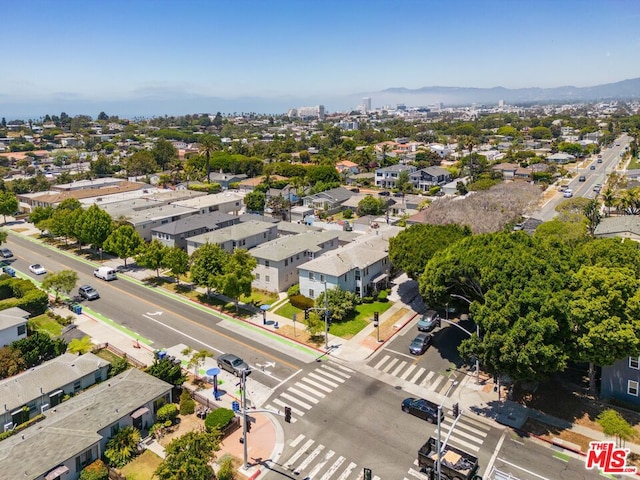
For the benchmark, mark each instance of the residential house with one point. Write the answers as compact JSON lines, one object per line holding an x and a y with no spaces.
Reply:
{"x":226,"y":179}
{"x":347,"y":167}
{"x":13,"y":325}
{"x":244,"y":235}
{"x":561,"y":158}
{"x":144,"y":221}
{"x":621,"y":381}
{"x":361,"y":267}
{"x":329,"y":201}
{"x":226,"y":202}
{"x":508,"y":170}
{"x":524,"y":173}
{"x":278,"y":260}
{"x":388,"y":176}
{"x":44,"y":386}
{"x":624,"y":226}
{"x":175,"y":234}
{"x":75,"y":432}
{"x":429,"y":177}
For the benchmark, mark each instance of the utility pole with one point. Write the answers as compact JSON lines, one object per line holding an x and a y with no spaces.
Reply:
{"x":244,"y":418}
{"x":439,"y":446}
{"x":326,"y":317}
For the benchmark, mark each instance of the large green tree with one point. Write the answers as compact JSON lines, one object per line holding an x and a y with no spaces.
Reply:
{"x":207,"y":264}
{"x":164,"y":153}
{"x":255,"y":201}
{"x":140,"y":163}
{"x":371,"y":205}
{"x":8,"y":204}
{"x":124,"y":242}
{"x":94,"y":226}
{"x":237,"y":275}
{"x":60,"y":282}
{"x":412,"y":248}
{"x":177,"y":261}
{"x":189,"y":457}
{"x":152,"y":255}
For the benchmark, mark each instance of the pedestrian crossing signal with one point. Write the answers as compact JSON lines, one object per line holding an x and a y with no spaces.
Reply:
{"x":367,"y":474}
{"x":456,"y":410}
{"x":287,"y":414}
{"x":306,"y":314}
{"x":438,"y":323}
{"x":248,"y":422}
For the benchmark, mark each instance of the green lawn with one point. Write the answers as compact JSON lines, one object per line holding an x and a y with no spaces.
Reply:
{"x":142,"y":467}
{"x":44,"y":323}
{"x":107,"y":355}
{"x":260,"y":297}
{"x":634,"y":163}
{"x":287,"y":310}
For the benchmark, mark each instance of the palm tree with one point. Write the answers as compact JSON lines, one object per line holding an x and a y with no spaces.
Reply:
{"x":609,"y":200}
{"x":123,"y":446}
{"x":208,"y":145}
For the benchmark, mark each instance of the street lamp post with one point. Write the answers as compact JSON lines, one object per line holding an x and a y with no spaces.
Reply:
{"x":326,"y":317}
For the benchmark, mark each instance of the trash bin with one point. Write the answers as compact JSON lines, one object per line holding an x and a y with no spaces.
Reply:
{"x":235,"y":406}
{"x":161,"y":354}
{"x":77,"y":309}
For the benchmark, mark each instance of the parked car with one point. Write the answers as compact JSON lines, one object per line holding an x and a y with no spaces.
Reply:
{"x":233,"y":364}
{"x":428,"y":321}
{"x":37,"y":269}
{"x":420,"y":344}
{"x":6,"y":253}
{"x":422,"y":408}
{"x":384,"y":193}
{"x":88,"y":292}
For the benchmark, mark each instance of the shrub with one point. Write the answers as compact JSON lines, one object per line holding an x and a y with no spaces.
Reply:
{"x":95,"y":471}
{"x":347,"y":214}
{"x":302,"y":302}
{"x":218,"y":419}
{"x":294,"y":290}
{"x":167,"y":412}
{"x":187,"y":404}
{"x":226,"y":472}
{"x":382,"y":296}
{"x":367,"y":300}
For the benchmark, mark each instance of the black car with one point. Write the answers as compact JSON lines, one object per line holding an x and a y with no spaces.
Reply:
{"x":582,"y":178}
{"x":384,"y":194}
{"x":233,"y":364}
{"x":420,"y":344}
{"x":422,"y":408}
{"x":6,"y":253}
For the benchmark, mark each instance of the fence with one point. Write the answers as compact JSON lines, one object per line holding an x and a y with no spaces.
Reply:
{"x":231,"y":427}
{"x":120,"y":353}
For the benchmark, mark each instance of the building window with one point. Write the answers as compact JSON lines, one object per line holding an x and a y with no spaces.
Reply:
{"x":267,"y":278}
{"x":77,"y":385}
{"x":321,"y":278}
{"x":22,"y":329}
{"x":311,"y":276}
{"x":634,"y":362}
{"x":257,"y":276}
{"x":311,"y":293}
{"x":266,"y":263}
{"x":286,"y":262}
{"x":632,"y":388}
{"x":98,"y":376}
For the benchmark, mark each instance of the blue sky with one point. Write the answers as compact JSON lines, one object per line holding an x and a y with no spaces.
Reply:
{"x":89,"y":51}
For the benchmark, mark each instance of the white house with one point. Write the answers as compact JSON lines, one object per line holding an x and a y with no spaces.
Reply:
{"x":13,"y":325}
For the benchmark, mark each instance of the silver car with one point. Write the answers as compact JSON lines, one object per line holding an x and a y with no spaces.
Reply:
{"x":233,"y":364}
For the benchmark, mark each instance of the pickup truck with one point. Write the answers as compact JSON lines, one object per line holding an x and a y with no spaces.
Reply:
{"x":455,"y":464}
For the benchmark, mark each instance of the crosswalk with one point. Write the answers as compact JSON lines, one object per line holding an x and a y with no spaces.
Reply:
{"x":313,"y":461}
{"x":311,"y":389}
{"x":411,"y":372}
{"x":468,"y":435}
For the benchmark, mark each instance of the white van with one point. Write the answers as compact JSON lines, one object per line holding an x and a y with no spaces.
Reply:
{"x":105,"y":273}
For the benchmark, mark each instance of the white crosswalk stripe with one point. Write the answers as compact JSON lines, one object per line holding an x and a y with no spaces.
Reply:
{"x":468,"y":434}
{"x":407,"y":370}
{"x":311,"y":389}
{"x":312,"y":461}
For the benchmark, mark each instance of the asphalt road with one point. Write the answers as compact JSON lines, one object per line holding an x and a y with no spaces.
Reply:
{"x":526,"y":459}
{"x":360,"y":424}
{"x":162,"y":319}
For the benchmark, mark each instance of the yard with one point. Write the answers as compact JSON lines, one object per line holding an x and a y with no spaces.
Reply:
{"x":44,"y":323}
{"x":142,"y":467}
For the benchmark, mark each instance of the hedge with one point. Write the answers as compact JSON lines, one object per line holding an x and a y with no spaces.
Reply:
{"x":17,"y":292}
{"x":167,"y":412}
{"x":302,"y":302}
{"x":218,"y":419}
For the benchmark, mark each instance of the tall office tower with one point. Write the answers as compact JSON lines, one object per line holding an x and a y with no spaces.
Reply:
{"x":366,"y":101}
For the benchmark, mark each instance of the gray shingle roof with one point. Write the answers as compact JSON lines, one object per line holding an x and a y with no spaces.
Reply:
{"x":194,"y":222}
{"x":72,"y":426}
{"x":281,"y":248}
{"x":357,"y":255}
{"x":621,"y":224}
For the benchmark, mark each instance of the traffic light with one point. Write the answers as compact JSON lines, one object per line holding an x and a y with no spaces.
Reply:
{"x":248,"y":424}
{"x":367,"y":474}
{"x":438,"y":323}
{"x":376,"y":318}
{"x":456,"y":410}
{"x":306,"y":314}
{"x":287,"y":414}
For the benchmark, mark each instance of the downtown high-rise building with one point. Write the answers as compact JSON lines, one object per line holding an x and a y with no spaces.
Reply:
{"x":366,"y":103}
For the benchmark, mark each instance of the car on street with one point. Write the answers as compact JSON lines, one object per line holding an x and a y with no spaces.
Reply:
{"x":592,"y":167}
{"x":88,"y":292}
{"x":384,"y":193}
{"x":37,"y":269}
{"x":599,"y":160}
{"x":582,"y":178}
{"x":568,"y":193}
{"x":597,"y":187}
{"x":428,"y":321}
{"x":233,"y":364}
{"x":420,"y":344}
{"x":422,"y":408}
{"x":6,"y":253}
